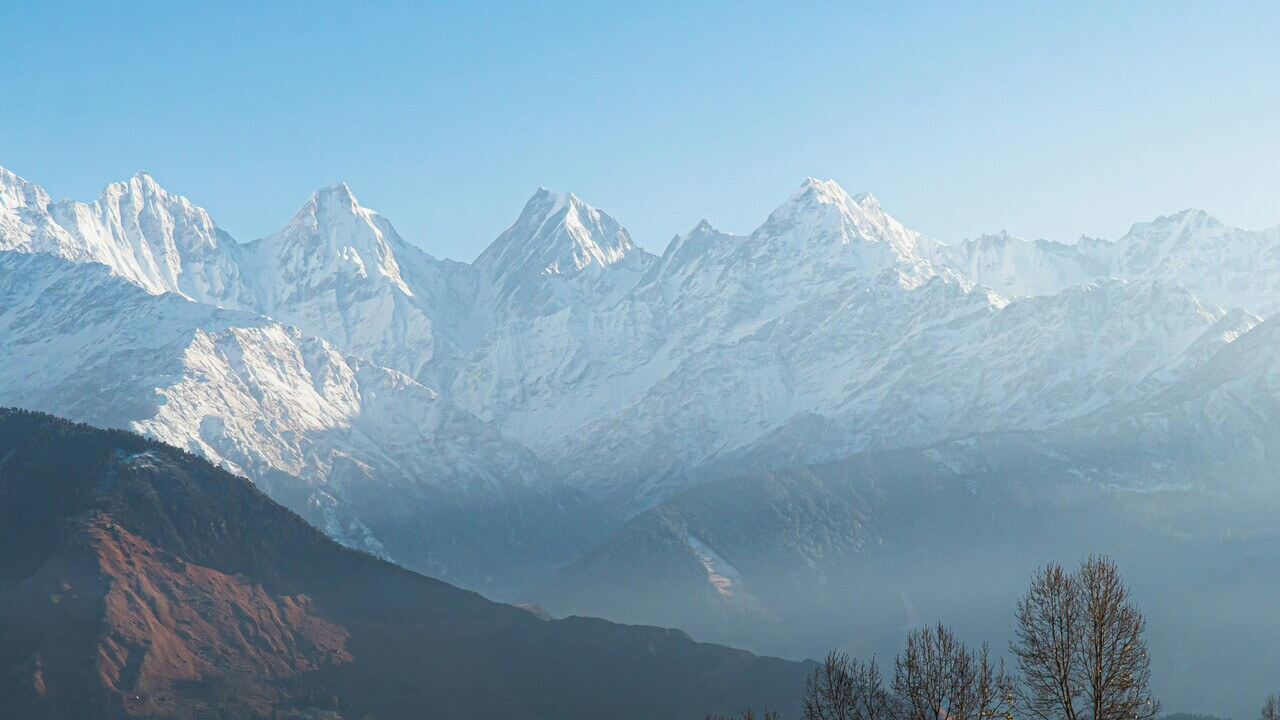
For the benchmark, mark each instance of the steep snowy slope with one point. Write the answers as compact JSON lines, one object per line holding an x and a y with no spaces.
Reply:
{"x":1018,"y":267}
{"x":157,"y":240}
{"x":1223,"y":421}
{"x":1026,"y":365}
{"x":384,"y":463}
{"x":340,"y":271}
{"x":892,"y":368}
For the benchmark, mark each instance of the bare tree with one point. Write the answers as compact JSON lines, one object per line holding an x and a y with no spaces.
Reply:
{"x":937,"y":676}
{"x":746,"y":715}
{"x":1080,"y":646}
{"x":1046,"y":642}
{"x":845,"y":689}
{"x":1271,"y":708}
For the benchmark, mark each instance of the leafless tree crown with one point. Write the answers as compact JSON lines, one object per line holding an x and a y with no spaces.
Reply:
{"x":845,"y":689}
{"x":1080,"y":647}
{"x":746,"y":715}
{"x":1271,"y":708}
{"x":937,"y":676}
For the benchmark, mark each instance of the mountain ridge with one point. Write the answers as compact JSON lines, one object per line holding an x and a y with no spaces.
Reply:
{"x":138,"y":580}
{"x":604,"y":377}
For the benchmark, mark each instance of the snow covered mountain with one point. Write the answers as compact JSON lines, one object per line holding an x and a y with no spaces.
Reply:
{"x":366,"y":453}
{"x":340,"y":271}
{"x":157,"y":240}
{"x":560,"y":253}
{"x":828,"y":330}
{"x":1221,"y":265}
{"x":1018,"y":267}
{"x":380,"y":389}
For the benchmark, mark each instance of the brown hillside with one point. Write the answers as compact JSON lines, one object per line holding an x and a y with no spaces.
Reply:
{"x":139,"y":581}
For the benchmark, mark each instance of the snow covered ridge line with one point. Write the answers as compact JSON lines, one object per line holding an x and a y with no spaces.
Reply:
{"x":563,"y":321}
{"x":1222,"y":265}
{"x":336,"y":270}
{"x":567,"y":358}
{"x":163,"y":242}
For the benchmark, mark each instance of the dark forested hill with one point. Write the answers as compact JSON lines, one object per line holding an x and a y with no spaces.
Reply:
{"x":139,"y":580}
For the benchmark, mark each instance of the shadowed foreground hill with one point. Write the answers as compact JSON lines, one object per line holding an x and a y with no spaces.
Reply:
{"x":138,"y":580}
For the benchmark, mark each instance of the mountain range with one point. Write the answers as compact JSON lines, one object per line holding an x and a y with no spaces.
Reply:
{"x":572,"y":420}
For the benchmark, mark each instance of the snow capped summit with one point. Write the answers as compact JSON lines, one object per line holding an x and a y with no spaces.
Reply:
{"x":558,"y":233}
{"x":332,"y":228}
{"x":559,"y":249}
{"x":1189,"y":217}
{"x":1221,"y":264}
{"x":866,"y":199}
{"x":154,"y":238}
{"x":163,"y":229}
{"x":1150,"y":244}
{"x":337,"y":194}
{"x":331,"y":208}
{"x":340,"y":271}
{"x":826,"y":200}
{"x":825,"y":210}
{"x":686,"y":260}
{"x":25,"y":223}
{"x":139,"y":187}
{"x":13,"y":189}
{"x":824,"y":231}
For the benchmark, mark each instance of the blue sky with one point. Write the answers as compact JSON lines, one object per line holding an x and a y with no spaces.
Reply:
{"x":1046,"y":119}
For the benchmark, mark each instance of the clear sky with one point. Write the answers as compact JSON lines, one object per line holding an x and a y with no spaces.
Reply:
{"x":1046,"y":119}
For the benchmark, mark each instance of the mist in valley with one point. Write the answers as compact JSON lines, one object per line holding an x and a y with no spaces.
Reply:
{"x":853,"y":555}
